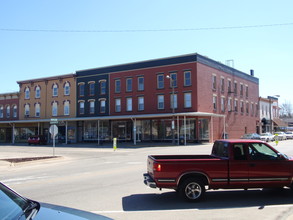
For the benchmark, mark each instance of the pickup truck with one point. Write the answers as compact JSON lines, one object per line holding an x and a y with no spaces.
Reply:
{"x":233,"y":164}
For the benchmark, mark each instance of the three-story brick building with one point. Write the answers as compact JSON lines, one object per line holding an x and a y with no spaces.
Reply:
{"x":190,"y":97}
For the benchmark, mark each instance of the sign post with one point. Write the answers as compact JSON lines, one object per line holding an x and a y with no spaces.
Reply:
{"x":54,"y":131}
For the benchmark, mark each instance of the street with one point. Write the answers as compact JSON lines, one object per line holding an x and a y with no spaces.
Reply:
{"x":110,"y":183}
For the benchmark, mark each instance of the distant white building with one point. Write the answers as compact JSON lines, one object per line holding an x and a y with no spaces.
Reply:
{"x":269,"y":115}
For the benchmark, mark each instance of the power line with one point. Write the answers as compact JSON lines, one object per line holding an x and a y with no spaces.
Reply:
{"x":145,"y":30}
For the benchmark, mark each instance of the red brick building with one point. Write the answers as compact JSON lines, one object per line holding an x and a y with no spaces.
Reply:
{"x":9,"y":112}
{"x":187,"y":98}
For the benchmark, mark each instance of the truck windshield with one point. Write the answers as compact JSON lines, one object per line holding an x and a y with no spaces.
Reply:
{"x":220,"y":149}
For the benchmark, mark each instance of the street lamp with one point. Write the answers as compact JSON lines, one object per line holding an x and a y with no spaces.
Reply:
{"x":270,"y":104}
{"x":173,"y":108}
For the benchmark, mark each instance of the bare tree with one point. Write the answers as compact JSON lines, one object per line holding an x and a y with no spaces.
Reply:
{"x":286,"y":109}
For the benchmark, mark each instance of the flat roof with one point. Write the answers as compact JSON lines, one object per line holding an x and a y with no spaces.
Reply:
{"x":187,"y":58}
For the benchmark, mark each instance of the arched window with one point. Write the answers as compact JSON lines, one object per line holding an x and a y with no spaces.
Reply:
{"x":54,"y":108}
{"x":26,"y":110}
{"x":27,"y":93}
{"x":1,"y":111}
{"x":67,"y":88}
{"x":14,"y":111}
{"x":66,"y":108}
{"x":38,"y":92}
{"x":37,"y":109}
{"x":8,"y":111}
{"x":55,"y":89}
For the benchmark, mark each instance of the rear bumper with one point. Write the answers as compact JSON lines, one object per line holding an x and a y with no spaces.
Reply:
{"x":149,"y":181}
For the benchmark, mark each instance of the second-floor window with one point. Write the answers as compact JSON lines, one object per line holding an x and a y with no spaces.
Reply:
{"x":81,"y":108}
{"x":37,"y":110}
{"x":26,"y":110}
{"x":1,"y":112}
{"x":54,"y":109}
{"x":14,"y":111}
{"x":229,"y":105}
{"x":187,"y":100}
{"x":161,"y":102}
{"x":8,"y":111}
{"x":117,"y":105}
{"x":215,"y":103}
{"x":173,"y":101}
{"x":140,"y":103}
{"x":223,"y":104}
{"x":129,"y":104}
{"x":236,"y":105}
{"x":66,"y":108}
{"x":103,"y":106}
{"x":92,"y":107}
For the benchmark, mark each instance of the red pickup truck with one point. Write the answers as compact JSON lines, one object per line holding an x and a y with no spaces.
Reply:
{"x":233,"y":164}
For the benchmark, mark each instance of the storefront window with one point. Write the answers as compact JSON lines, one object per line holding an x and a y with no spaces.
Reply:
{"x":2,"y":135}
{"x":92,"y":131}
{"x":190,"y":129}
{"x":203,"y":126}
{"x":22,"y":134}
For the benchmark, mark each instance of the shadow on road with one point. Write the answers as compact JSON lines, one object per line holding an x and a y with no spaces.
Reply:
{"x":213,"y":200}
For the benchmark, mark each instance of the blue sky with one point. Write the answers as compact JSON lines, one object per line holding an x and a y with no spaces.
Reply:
{"x":58,"y":49}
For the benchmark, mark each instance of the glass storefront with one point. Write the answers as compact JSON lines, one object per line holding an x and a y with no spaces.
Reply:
{"x":22,"y":134}
{"x":97,"y":130}
{"x":147,"y":130}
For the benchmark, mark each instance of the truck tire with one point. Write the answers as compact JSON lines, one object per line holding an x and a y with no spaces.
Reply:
{"x":192,"y":189}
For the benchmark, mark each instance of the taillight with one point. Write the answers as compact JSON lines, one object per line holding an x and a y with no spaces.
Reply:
{"x":157,"y":167}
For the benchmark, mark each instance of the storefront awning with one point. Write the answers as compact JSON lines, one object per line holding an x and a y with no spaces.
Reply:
{"x":280,"y":123}
{"x":164,"y":115}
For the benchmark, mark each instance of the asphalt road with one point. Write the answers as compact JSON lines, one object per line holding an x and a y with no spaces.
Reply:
{"x":110,"y":183}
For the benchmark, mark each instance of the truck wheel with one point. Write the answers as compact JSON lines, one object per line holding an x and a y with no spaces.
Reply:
{"x":192,"y":189}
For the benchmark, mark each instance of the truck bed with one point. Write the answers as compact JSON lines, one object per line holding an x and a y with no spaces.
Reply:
{"x":181,"y":157}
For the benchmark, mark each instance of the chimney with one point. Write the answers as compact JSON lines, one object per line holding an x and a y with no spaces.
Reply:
{"x":252,"y":72}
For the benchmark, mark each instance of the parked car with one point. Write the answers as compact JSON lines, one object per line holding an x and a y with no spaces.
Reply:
{"x":280,"y":136}
{"x":15,"y":206}
{"x":267,"y":137}
{"x":289,"y":134}
{"x":251,"y":136}
{"x":37,"y":139}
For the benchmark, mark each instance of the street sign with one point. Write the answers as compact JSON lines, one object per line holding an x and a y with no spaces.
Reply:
{"x":53,"y":121}
{"x":53,"y":130}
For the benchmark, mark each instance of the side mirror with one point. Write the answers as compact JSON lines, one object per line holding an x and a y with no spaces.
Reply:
{"x":280,"y":157}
